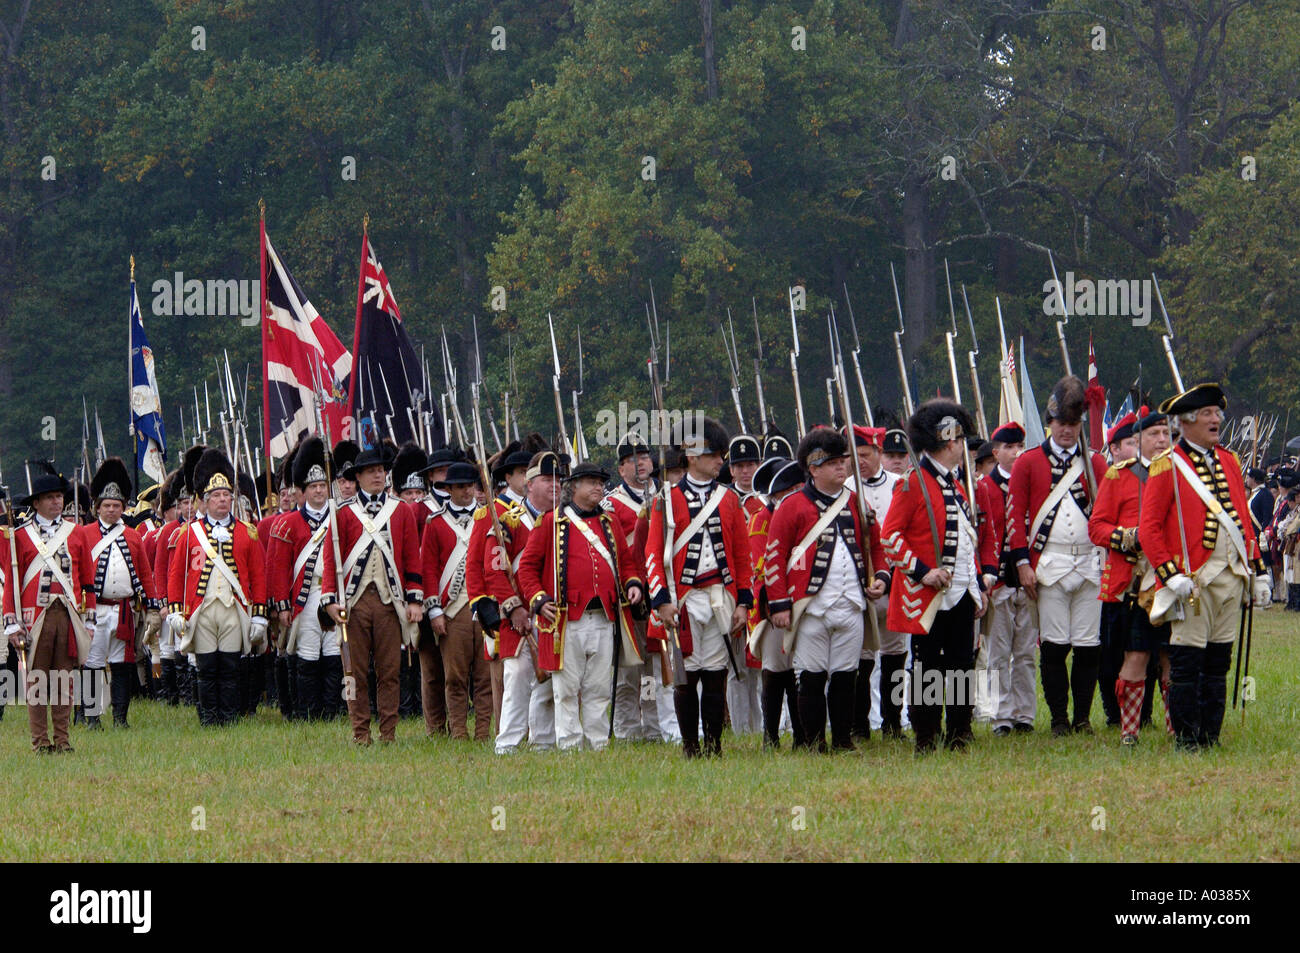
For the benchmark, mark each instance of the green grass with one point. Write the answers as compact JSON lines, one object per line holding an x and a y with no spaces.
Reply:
{"x":272,"y":791}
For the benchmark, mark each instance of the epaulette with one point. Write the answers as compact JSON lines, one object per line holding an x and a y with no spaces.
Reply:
{"x":1161,"y":463}
{"x":513,"y":515}
{"x":252,"y":530}
{"x":1112,"y":472}
{"x":606,"y":504}
{"x":480,"y":513}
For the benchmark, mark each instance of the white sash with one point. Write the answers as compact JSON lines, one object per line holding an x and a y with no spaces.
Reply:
{"x":206,"y":545}
{"x":1213,"y":505}
{"x":1062,"y":487}
{"x":370,"y":533}
{"x":832,"y":511}
{"x":457,"y":552}
{"x":596,"y":542}
{"x":45,"y":557}
{"x":695,"y":525}
{"x":312,"y":546}
{"x":106,"y":541}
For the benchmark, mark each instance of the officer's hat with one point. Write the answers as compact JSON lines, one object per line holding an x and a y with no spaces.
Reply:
{"x":408,"y":469}
{"x":936,"y":422}
{"x":821,"y":445}
{"x":111,"y":482}
{"x":48,"y":480}
{"x":310,"y":463}
{"x":1202,"y":395}
{"x":213,"y":472}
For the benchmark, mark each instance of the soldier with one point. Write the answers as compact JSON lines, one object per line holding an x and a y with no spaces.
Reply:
{"x":711,"y":570}
{"x":343,"y":455}
{"x":1048,"y":505}
{"x":296,"y":566}
{"x":164,"y":547}
{"x":444,"y":552}
{"x":167,"y":688}
{"x":636,"y":710}
{"x":1195,"y":530}
{"x":46,"y":617}
{"x":1135,"y":440}
{"x":217,"y":590}
{"x":936,"y":545}
{"x":409,"y":485}
{"x":124,"y":585}
{"x":527,"y":705}
{"x":584,"y":585}
{"x":893,"y":452}
{"x":383,"y":589}
{"x":743,"y":696}
{"x":1011,"y":634}
{"x":775,"y":479}
{"x":819,"y":586}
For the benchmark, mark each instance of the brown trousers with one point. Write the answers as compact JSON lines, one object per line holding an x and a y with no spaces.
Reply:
{"x":373,"y":627}
{"x":433,"y":690}
{"x":51,"y":656}
{"x":464,"y":662}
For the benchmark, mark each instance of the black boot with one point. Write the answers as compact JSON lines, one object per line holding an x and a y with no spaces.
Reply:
{"x":843,"y":702}
{"x":309,"y":689}
{"x":1113,"y":617}
{"x":1056,"y":685}
{"x":123,"y":674}
{"x":194,"y":685}
{"x":94,"y":678}
{"x":687,"y":703}
{"x":1185,"y":663}
{"x":862,"y":702}
{"x":183,"y":687}
{"x":1214,"y":691}
{"x":207,"y":687}
{"x":773,"y":694}
{"x":891,"y":690}
{"x":282,"y":695}
{"x":791,"y":683}
{"x":170,"y":689}
{"x":1293,"y":597}
{"x":1083,"y":683}
{"x":331,"y":690}
{"x":957,"y":710}
{"x":812,"y":709}
{"x":713,"y":705}
{"x":227,"y":688}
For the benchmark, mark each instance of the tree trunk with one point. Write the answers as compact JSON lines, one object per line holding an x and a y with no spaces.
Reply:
{"x":710,"y":68}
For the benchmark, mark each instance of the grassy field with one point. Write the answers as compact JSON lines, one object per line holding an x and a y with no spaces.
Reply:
{"x":269,"y":791}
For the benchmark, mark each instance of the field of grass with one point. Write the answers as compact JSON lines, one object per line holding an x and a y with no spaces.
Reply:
{"x":268,"y":791}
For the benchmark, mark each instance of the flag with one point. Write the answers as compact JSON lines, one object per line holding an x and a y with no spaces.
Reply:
{"x":1009,"y":408}
{"x":146,"y":408}
{"x":388,"y":390}
{"x":1096,"y":398}
{"x":1033,"y":419}
{"x":298,"y":350}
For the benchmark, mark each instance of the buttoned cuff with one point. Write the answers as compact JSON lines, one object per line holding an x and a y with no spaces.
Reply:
{"x":780,"y":605}
{"x":1166,"y":570}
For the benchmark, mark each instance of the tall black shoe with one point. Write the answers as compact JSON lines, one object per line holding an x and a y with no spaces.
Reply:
{"x":1185,"y":664}
{"x":862,"y":700}
{"x":1214,"y":691}
{"x":207,"y":676}
{"x":1056,"y":685}
{"x":812,"y":709}
{"x":123,"y":674}
{"x":843,"y":703}
{"x":184,"y":690}
{"x":1083,"y":684}
{"x":773,"y":694}
{"x":331,"y":689}
{"x":687,"y":703}
{"x":713,"y":706}
{"x":227,"y":688}
{"x":309,"y":689}
{"x":170,"y":689}
{"x":94,"y":678}
{"x":283,"y":696}
{"x":891,"y":681}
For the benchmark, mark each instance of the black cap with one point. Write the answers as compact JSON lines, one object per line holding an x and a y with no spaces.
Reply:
{"x":380,"y":456}
{"x":459,"y":473}
{"x":1202,"y":395}
{"x":985,"y":451}
{"x":631,"y":444}
{"x":895,"y":442}
{"x":588,"y":470}
{"x":743,"y":449}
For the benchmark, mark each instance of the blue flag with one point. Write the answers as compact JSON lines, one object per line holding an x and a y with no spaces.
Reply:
{"x":1033,"y":419}
{"x":146,"y":408}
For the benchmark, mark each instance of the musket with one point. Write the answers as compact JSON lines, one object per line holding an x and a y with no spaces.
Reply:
{"x":758,"y":373}
{"x":1168,"y":337}
{"x":908,"y":408}
{"x":733,"y":365}
{"x":555,"y":386}
{"x":511,"y":423}
{"x":388,"y":396}
{"x":181,"y":414}
{"x":207,"y":405}
{"x":974,"y":372}
{"x":14,"y":583}
{"x":198,"y":417}
{"x":1192,"y":599}
{"x":830,"y":400}
{"x":478,"y":379}
{"x":671,"y":647}
{"x":857,"y":365}
{"x":579,"y":440}
{"x":345,"y":651}
{"x":800,"y":427}
{"x":948,"y":337}
{"x":864,"y":544}
{"x":500,"y":535}
{"x":1090,"y":478}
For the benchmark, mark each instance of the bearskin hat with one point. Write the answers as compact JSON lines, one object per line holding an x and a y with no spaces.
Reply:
{"x":111,"y":481}
{"x":247,"y":488}
{"x":407,"y":467}
{"x":167,"y":493}
{"x":345,"y":451}
{"x":821,"y":445}
{"x":212,"y":472}
{"x":1067,"y":401}
{"x":188,"y":463}
{"x":936,"y":422}
{"x":704,"y":435}
{"x":310,"y":463}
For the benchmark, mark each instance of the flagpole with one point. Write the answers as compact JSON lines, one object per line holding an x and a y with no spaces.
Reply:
{"x":356,"y":330}
{"x":130,"y":379}
{"x":266,"y":400}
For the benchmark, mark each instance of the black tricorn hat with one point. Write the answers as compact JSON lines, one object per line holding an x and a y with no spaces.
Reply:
{"x":766,"y":470}
{"x":111,"y":481}
{"x":188,"y":463}
{"x":587,"y":470}
{"x":309,"y":463}
{"x":460,"y":473}
{"x":408,"y":469}
{"x":789,"y":475}
{"x":48,"y":480}
{"x":1202,"y":395}
{"x":1068,"y":400}
{"x":444,"y":457}
{"x":213,"y":472}
{"x":936,"y":422}
{"x":381,"y":456}
{"x":821,"y":445}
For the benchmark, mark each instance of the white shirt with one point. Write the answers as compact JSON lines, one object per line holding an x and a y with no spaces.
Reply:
{"x":841,"y":580}
{"x":877,"y":490}
{"x":965,"y":571}
{"x":117,"y":578}
{"x":1070,"y":527}
{"x":708,"y":558}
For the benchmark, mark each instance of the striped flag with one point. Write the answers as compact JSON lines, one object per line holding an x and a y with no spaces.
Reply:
{"x":146,"y":408}
{"x":298,"y":349}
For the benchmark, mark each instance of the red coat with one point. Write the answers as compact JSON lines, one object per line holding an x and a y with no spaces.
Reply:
{"x":290,"y":535}
{"x":1158,"y":526}
{"x":991,"y":500}
{"x":437,"y":546}
{"x":789,"y":584}
{"x":486,"y":578}
{"x":81,"y":575}
{"x":910,"y":552}
{"x":627,"y":512}
{"x":1031,"y":482}
{"x":735,"y":545}
{"x":148,"y":588}
{"x":1119,"y":502}
{"x":583,"y":574}
{"x":190,"y":567}
{"x":758,"y":526}
{"x":404,"y":543}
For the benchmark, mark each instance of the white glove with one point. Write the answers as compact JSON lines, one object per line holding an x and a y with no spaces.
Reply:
{"x":990,"y":581}
{"x":13,"y":628}
{"x":1180,"y":585}
{"x":176,"y":622}
{"x":1263,"y":592}
{"x":258,"y":634}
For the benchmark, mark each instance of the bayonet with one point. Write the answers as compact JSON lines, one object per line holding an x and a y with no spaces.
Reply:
{"x":758,"y":372}
{"x":1167,"y":339}
{"x":908,"y":408}
{"x":800,"y":425}
{"x":974,"y":371}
